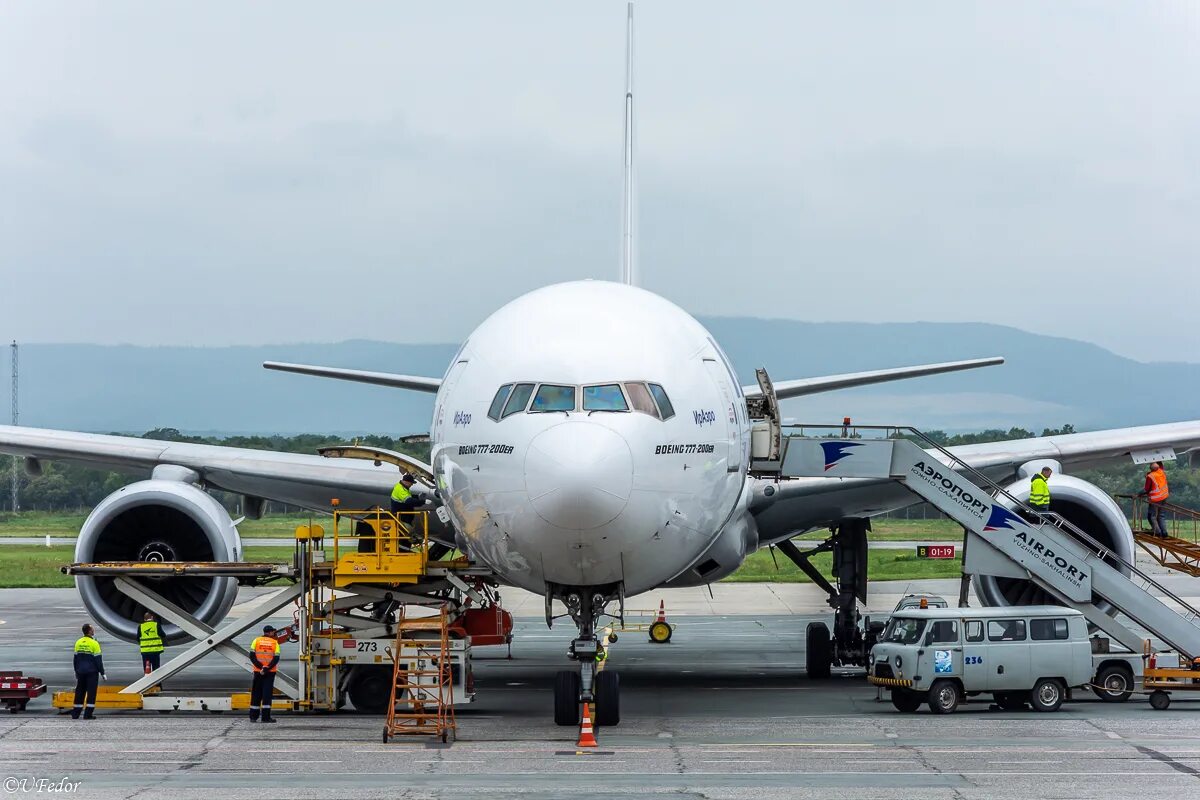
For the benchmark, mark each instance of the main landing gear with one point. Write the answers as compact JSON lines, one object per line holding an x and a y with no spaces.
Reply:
{"x":850,"y":642}
{"x":591,"y":683}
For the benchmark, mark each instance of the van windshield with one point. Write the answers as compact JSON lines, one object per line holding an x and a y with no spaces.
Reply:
{"x":903,"y":630}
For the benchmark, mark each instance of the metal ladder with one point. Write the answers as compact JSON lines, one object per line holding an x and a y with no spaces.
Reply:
{"x":421,"y":699}
{"x":969,"y":497}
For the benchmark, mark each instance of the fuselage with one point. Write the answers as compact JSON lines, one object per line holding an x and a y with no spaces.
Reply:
{"x":590,"y":433}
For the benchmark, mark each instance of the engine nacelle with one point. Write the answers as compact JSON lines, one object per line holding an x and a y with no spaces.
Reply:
{"x":1083,"y":504}
{"x":166,"y":518}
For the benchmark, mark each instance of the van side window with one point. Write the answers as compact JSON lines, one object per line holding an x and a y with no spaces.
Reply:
{"x":974,"y":630}
{"x":1041,"y":630}
{"x":944,"y":631}
{"x":1006,"y":630}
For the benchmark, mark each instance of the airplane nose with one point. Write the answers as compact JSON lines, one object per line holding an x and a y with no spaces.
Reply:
{"x":578,"y":475}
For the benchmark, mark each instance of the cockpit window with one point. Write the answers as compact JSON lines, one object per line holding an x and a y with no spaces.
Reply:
{"x":606,"y":397}
{"x":639,"y":398}
{"x":551,"y":397}
{"x":518,"y":400}
{"x":664,"y":403}
{"x":498,"y":401}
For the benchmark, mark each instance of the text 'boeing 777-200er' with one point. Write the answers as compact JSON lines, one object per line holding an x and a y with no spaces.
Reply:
{"x":590,"y":442}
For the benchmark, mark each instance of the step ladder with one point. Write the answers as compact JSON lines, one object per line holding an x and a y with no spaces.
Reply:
{"x":422,"y":700}
{"x":1004,"y":535}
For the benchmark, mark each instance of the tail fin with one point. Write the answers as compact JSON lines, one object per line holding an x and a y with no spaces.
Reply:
{"x":628,"y":200}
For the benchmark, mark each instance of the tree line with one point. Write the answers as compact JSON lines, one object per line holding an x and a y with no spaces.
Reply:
{"x":67,"y":487}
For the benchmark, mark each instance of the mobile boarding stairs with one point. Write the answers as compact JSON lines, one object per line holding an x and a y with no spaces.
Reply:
{"x":1004,"y":535}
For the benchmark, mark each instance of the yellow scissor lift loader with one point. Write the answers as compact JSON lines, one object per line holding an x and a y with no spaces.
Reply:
{"x":351,"y":594}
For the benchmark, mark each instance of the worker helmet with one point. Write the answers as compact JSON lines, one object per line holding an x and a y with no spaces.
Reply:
{"x":268,"y":628}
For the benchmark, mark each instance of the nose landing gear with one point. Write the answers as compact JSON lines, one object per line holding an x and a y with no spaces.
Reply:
{"x":591,"y":683}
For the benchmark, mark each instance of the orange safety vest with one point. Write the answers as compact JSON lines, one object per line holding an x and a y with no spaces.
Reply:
{"x":1159,"y":478}
{"x":265,"y":648}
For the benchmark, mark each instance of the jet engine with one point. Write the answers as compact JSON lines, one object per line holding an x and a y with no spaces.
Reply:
{"x":166,"y":518}
{"x":1088,"y":508}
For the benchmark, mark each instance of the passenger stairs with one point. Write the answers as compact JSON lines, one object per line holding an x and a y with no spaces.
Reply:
{"x":1004,"y":535}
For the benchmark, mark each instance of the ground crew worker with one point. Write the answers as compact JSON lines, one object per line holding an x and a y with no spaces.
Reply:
{"x":1155,"y":490}
{"x":402,"y":497}
{"x":264,"y":655}
{"x":89,"y":669}
{"x":150,"y":643}
{"x":1039,"y":490}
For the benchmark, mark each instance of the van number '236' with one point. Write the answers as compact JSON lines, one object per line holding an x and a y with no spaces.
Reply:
{"x":368,"y":647}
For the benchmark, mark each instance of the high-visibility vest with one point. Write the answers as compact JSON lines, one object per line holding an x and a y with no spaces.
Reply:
{"x":400,"y":493}
{"x":1039,"y":491}
{"x":265,"y":649}
{"x":87,"y":659}
{"x":1159,"y":478}
{"x":87,"y":644}
{"x":149,"y":639}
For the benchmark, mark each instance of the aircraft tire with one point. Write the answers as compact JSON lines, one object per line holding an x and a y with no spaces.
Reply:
{"x":608,"y":698}
{"x":818,"y":654}
{"x":566,"y":697}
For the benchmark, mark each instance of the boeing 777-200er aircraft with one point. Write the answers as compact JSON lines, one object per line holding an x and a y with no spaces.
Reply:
{"x":590,"y":442}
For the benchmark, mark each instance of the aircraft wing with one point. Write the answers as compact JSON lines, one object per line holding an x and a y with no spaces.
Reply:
{"x":298,"y":479}
{"x":800,"y":504}
{"x":848,"y":380}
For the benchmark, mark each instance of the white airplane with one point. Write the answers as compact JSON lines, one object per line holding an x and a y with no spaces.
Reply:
{"x":590,"y":442}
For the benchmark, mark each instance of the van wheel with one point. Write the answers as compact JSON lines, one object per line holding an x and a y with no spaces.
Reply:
{"x":818,"y":654}
{"x":943,"y":697}
{"x":1011,"y":701}
{"x":1047,"y":695}
{"x":1159,"y":700}
{"x":1117,"y":682}
{"x":906,"y":701}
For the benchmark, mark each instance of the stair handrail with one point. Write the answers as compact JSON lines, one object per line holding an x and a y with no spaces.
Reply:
{"x":1050,"y":517}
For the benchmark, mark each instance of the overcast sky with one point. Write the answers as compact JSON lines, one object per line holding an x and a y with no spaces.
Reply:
{"x":214,"y":173}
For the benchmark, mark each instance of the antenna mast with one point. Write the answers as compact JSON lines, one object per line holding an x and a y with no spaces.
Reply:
{"x":16,"y":485}
{"x":628,"y":200}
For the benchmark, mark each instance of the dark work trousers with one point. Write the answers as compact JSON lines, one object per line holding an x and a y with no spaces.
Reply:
{"x":85,"y":695}
{"x":261,"y":692}
{"x":151,"y":661}
{"x":1154,"y":515}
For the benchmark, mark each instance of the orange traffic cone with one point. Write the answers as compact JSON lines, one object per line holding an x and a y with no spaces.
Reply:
{"x":662,"y":612}
{"x":586,"y":737}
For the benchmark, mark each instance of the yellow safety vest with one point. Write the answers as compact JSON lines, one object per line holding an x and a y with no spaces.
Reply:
{"x":149,"y":638}
{"x":87,"y":645}
{"x":401,"y":493}
{"x":1039,"y":491}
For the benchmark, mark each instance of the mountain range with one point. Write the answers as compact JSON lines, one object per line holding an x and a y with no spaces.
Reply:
{"x":1046,"y":381}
